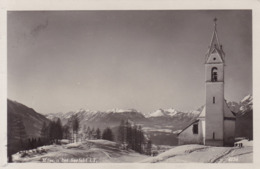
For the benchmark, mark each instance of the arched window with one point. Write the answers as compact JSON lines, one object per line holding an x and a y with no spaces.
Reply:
{"x":214,"y":74}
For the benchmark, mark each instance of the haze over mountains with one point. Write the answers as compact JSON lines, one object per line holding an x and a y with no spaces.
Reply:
{"x":112,"y":118}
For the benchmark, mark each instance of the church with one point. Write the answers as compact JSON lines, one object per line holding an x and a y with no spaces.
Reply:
{"x":215,"y":125}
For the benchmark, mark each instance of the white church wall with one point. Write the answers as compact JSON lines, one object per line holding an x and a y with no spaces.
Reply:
{"x":203,"y":128}
{"x":188,"y":137}
{"x":214,"y":111}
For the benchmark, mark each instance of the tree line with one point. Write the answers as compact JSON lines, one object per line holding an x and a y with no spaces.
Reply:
{"x":131,"y":136}
{"x":54,"y":131}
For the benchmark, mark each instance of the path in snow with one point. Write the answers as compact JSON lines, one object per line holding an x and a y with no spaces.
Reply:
{"x":204,"y":154}
{"x":103,"y":151}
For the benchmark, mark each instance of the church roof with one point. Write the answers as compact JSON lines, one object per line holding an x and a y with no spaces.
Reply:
{"x":228,"y":113}
{"x":203,"y":113}
{"x":196,"y":121}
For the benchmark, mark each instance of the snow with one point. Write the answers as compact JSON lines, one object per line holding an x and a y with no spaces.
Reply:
{"x":103,"y":142}
{"x":203,"y":154}
{"x":73,"y":145}
{"x":116,"y":110}
{"x":242,"y":108}
{"x":179,"y":150}
{"x":245,"y":143}
{"x":248,"y":97}
{"x":83,"y":110}
{"x":157,"y":113}
{"x":103,"y":151}
{"x":166,"y":112}
{"x":64,"y":141}
{"x":176,"y":132}
{"x":246,"y":104}
{"x":171,"y":112}
{"x":157,"y":130}
{"x":88,"y":151}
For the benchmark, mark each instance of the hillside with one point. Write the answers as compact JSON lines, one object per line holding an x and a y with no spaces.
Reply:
{"x":204,"y":154}
{"x":91,"y":151}
{"x":23,"y":123}
{"x":244,"y":118}
{"x":103,"y":151}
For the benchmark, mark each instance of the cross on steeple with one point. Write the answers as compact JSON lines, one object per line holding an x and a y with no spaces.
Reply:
{"x":215,"y":20}
{"x":215,"y":23}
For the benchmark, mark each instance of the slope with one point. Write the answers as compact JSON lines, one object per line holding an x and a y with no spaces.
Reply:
{"x":91,"y":151}
{"x":204,"y":154}
{"x":23,"y":123}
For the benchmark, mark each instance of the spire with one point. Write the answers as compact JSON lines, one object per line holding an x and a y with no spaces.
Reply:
{"x":214,"y":43}
{"x":214,"y":40}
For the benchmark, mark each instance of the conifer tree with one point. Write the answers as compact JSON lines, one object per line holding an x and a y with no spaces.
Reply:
{"x":128,"y":135}
{"x":45,"y":134}
{"x":58,"y":129}
{"x":66,"y":132}
{"x":121,"y":132}
{"x":98,"y":133}
{"x":149,"y":147}
{"x":107,"y":134}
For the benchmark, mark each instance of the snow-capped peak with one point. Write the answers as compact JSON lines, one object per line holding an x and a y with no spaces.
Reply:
{"x":116,"y":110}
{"x":82,"y":110}
{"x":246,"y":103}
{"x":171,"y":111}
{"x":248,"y":98}
{"x":157,"y":113}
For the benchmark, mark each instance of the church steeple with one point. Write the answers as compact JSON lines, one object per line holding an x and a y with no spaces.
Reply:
{"x":215,"y":46}
{"x":214,"y":79}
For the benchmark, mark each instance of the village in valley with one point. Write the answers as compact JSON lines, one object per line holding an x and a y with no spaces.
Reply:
{"x":219,"y":131}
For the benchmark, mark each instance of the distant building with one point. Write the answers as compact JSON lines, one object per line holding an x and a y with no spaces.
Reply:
{"x":216,"y":124}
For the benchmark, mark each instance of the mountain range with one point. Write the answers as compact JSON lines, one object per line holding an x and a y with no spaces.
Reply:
{"x":169,"y":118}
{"x":161,"y":125}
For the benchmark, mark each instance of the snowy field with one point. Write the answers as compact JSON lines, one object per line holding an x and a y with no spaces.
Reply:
{"x":92,"y":151}
{"x":103,"y":151}
{"x":204,"y":154}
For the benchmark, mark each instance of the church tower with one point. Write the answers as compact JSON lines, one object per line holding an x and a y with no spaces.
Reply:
{"x":214,"y":74}
{"x":216,"y":123}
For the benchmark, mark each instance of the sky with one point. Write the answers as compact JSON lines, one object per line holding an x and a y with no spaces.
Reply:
{"x":60,"y":61}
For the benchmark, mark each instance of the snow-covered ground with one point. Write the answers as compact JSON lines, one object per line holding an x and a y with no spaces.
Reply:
{"x":103,"y":151}
{"x":149,"y":129}
{"x":91,"y":151}
{"x":204,"y":154}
